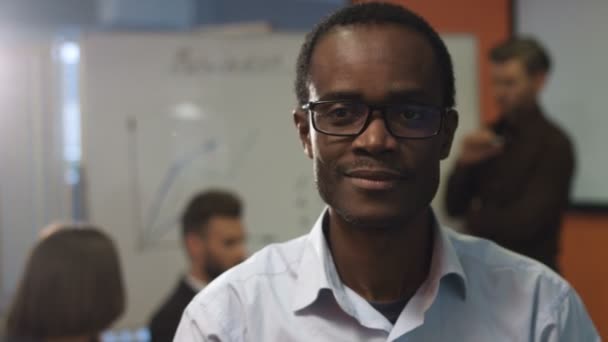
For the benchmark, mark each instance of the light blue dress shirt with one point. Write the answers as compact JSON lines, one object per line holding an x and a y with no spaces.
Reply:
{"x":475,"y":291}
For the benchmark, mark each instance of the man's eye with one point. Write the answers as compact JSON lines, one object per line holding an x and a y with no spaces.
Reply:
{"x":230,"y":243}
{"x":339,"y":112}
{"x":412,"y":115}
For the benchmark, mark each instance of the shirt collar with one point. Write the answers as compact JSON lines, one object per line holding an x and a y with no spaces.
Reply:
{"x":317,"y":270}
{"x":194,"y":283}
{"x":445,"y":263}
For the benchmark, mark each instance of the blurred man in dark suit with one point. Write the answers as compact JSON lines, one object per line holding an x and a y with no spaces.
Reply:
{"x":214,"y":239}
{"x":512,"y":179}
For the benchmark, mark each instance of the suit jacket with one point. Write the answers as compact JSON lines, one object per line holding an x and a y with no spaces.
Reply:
{"x":165,"y":321}
{"x":517,"y":198}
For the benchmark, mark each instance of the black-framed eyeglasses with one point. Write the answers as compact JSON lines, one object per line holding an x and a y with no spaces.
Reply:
{"x":350,"y":118}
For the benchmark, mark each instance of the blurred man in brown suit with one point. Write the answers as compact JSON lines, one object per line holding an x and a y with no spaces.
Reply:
{"x":512,"y":179}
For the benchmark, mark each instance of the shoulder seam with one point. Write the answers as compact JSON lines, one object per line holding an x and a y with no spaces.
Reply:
{"x":259,"y":274}
{"x":546,"y":314}
{"x":519,"y":263}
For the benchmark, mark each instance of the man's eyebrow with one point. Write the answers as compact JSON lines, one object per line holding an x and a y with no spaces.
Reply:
{"x":414,"y":95}
{"x":342,"y":95}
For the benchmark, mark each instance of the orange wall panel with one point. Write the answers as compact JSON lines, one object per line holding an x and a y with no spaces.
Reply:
{"x":583,"y":263}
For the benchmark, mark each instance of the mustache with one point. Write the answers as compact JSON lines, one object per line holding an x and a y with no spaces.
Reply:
{"x":373,"y":164}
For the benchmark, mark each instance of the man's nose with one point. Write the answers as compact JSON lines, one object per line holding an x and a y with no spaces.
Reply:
{"x":376,"y":138}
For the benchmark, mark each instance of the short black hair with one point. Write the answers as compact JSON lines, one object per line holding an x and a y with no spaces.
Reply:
{"x":535,"y":57}
{"x":375,"y":13}
{"x":206,"y":205}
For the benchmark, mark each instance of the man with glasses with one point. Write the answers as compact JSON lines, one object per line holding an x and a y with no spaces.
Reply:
{"x":512,"y":179}
{"x":375,"y":89}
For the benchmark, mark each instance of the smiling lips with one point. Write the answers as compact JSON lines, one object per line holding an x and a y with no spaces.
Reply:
{"x":374,"y":179}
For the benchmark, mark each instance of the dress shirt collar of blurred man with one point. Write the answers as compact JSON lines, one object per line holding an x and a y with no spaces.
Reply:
{"x":195,"y":283}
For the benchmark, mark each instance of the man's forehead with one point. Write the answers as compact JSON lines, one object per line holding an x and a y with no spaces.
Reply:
{"x":365,"y":37}
{"x":381,"y":59}
{"x":390,"y":93}
{"x":221,"y":220}
{"x":513,"y":64}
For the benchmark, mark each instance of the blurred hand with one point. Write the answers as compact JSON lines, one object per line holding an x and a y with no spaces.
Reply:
{"x":480,"y":146}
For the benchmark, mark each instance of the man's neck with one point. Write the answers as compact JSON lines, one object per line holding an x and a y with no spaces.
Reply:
{"x":385,"y":264}
{"x":523,"y":114}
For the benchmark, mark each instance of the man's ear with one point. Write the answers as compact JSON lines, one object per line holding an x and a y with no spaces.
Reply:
{"x":450,"y":123}
{"x":539,"y":80}
{"x":300,"y":119}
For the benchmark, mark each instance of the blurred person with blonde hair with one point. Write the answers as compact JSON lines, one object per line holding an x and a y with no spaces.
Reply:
{"x":71,"y":290}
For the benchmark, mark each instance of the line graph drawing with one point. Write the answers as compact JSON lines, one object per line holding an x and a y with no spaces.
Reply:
{"x":160,"y":216}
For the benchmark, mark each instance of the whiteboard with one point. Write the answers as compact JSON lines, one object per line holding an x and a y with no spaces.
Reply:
{"x":166,"y":115}
{"x":575,"y":35}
